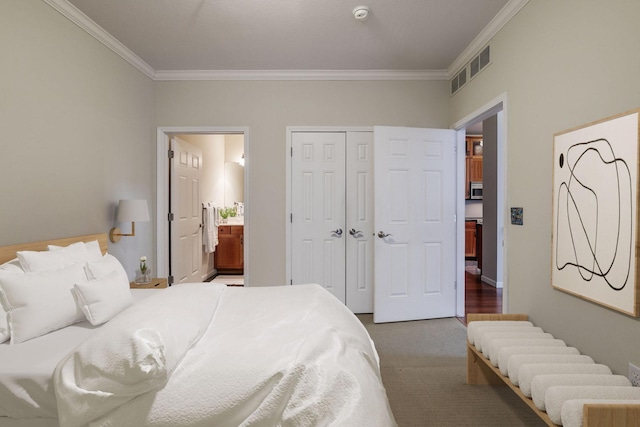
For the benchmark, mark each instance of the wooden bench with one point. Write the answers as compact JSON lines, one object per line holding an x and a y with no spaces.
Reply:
{"x":481,"y":371}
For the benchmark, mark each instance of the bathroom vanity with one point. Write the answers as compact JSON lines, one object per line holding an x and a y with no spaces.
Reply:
{"x":229,"y":255}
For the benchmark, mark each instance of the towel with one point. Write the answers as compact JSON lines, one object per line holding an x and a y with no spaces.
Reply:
{"x":210,"y":228}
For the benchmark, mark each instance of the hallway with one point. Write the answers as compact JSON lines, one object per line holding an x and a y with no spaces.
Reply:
{"x":480,"y":297}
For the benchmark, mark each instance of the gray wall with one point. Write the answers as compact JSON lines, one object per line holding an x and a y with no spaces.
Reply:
{"x":562,"y":64}
{"x":77,"y":133}
{"x":267,"y":108}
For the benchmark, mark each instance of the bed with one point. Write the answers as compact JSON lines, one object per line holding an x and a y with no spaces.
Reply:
{"x":194,"y":354}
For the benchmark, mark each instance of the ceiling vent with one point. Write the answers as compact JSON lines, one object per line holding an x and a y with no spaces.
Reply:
{"x":459,"y":80}
{"x":477,"y":64}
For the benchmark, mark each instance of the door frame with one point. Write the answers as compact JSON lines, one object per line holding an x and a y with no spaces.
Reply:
{"x":290,"y":131}
{"x":163,"y":136}
{"x":497,"y":106}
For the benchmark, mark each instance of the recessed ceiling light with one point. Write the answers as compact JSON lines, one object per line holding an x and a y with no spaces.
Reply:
{"x":361,"y":13}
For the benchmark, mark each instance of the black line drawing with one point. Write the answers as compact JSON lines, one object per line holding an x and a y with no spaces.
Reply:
{"x":595,"y":214}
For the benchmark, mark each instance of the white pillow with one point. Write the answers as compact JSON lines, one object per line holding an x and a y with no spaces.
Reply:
{"x":36,"y":261}
{"x":103,"y":267}
{"x":81,"y":251}
{"x":39,"y":303}
{"x":10,"y":268}
{"x":101,"y":299}
{"x":94,"y":252}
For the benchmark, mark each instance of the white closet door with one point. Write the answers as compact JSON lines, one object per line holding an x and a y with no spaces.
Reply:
{"x":186,"y":206}
{"x":318,"y":210}
{"x":359,"y":233}
{"x":415,"y":224}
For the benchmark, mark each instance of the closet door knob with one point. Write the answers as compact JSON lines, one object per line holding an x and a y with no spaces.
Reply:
{"x":382,"y":234}
{"x":337,"y":232}
{"x":354,"y":232}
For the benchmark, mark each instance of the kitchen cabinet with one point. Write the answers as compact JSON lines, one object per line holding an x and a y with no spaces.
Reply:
{"x":470,"y":239}
{"x":473,"y":162}
{"x":229,"y":254}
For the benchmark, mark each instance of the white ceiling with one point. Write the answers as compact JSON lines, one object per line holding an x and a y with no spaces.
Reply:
{"x":410,"y":35}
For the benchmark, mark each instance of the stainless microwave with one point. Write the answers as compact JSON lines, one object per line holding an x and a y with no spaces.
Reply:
{"x":475,"y":191}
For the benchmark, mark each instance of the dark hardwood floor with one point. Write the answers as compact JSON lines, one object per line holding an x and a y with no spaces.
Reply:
{"x":480,"y":297}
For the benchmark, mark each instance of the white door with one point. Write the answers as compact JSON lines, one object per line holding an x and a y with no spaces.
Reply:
{"x":318,"y":210}
{"x":414,"y":224}
{"x":186,"y":206}
{"x":359,"y":224}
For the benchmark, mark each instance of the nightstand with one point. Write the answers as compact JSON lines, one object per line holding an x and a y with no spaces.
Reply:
{"x":155,"y":283}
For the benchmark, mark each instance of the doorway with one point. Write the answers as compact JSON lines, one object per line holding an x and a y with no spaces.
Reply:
{"x":164,"y":135}
{"x":493,"y":202}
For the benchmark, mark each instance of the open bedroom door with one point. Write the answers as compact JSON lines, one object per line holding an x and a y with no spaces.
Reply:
{"x":186,"y":208}
{"x":415,"y":229}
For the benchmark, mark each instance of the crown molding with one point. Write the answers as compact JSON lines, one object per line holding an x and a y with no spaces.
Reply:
{"x":301,"y":75}
{"x":83,"y":21}
{"x":497,"y":23}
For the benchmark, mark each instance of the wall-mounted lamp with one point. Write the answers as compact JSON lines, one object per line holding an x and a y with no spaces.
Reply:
{"x":129,"y":211}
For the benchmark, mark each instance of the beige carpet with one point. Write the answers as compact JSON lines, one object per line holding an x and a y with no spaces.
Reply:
{"x":423,"y":365}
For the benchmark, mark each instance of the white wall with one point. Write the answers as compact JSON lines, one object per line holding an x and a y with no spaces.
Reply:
{"x":473,"y":209}
{"x":267,"y":108}
{"x":562,"y":64}
{"x":77,"y":133}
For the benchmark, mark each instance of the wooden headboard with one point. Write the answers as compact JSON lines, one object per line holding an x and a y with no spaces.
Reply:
{"x":7,"y":253}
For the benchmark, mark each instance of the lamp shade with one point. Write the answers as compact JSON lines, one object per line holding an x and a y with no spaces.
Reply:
{"x":132,"y":211}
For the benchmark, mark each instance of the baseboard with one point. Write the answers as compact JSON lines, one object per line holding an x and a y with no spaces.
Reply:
{"x":488,"y":281}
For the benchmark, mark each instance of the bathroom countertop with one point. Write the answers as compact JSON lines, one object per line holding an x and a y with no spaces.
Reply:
{"x":235,"y":221}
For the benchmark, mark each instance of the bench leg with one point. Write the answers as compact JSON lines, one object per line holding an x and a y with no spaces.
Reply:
{"x":478,"y":372}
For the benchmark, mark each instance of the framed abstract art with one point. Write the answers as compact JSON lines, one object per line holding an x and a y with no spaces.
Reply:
{"x":595,"y":212}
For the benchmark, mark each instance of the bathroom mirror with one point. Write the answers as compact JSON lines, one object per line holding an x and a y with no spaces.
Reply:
{"x":233,"y":183}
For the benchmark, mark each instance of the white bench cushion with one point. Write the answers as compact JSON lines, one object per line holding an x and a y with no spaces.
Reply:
{"x":506,"y":352}
{"x":541,"y":339}
{"x":484,"y":339}
{"x":557,"y":395}
{"x":529,"y":371}
{"x":572,"y":410}
{"x":476,"y":328}
{"x":540,"y":383}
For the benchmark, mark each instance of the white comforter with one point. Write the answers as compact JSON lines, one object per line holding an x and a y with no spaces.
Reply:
{"x":204,"y":355}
